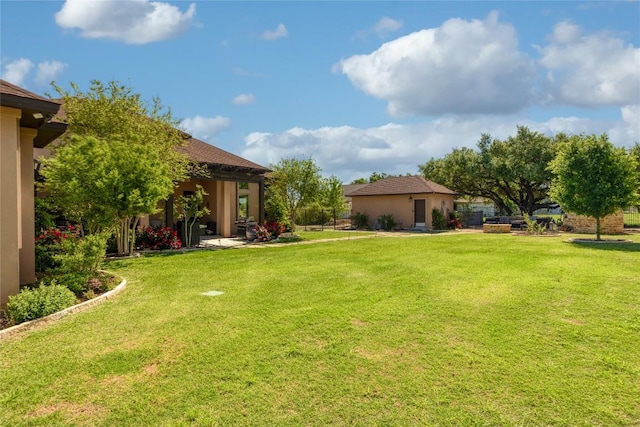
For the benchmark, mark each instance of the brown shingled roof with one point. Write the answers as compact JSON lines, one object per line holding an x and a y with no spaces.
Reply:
{"x":401,"y":185}
{"x":347,"y":189}
{"x":37,"y":112}
{"x":7,"y":88}
{"x":200,"y":151}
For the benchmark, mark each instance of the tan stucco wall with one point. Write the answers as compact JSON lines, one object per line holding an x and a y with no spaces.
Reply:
{"x":26,"y":214}
{"x":399,"y":206}
{"x":9,"y":199}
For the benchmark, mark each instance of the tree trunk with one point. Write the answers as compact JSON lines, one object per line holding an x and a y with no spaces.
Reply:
{"x":598,"y":228}
{"x":136,"y":220}
{"x":124,"y":237}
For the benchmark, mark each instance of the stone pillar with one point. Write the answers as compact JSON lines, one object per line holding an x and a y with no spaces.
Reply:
{"x":9,"y":190}
{"x":612,"y":224}
{"x":26,"y":205}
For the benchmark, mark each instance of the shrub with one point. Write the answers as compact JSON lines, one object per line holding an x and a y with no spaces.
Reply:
{"x":533,"y":226}
{"x":32,"y":304}
{"x":44,"y":214}
{"x":438,"y":221}
{"x":79,"y":260}
{"x":453,"y":223}
{"x":360,"y":220}
{"x":386,"y":222}
{"x":262,"y":234}
{"x":157,"y":238}
{"x":274,"y":227}
{"x":313,"y":213}
{"x":49,"y":243}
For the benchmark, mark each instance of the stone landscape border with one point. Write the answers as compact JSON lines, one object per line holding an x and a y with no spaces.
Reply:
{"x":32,"y":324}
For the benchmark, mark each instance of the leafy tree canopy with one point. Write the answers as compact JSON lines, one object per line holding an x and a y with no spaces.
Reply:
{"x":120,"y":156}
{"x":105,"y":184}
{"x":332,"y":195}
{"x":296,"y":183}
{"x":114,"y":110}
{"x":635,"y":153}
{"x":511,"y":173}
{"x":375,"y":176}
{"x":593,"y":177}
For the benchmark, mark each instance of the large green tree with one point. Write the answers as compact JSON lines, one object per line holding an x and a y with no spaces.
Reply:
{"x":512,"y":173}
{"x":113,"y":110}
{"x":593,"y":177}
{"x":635,"y":153}
{"x":297,"y":183}
{"x":106,"y":184}
{"x":132,"y":136}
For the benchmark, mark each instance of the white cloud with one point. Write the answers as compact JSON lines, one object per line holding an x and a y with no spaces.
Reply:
{"x":628,"y":131}
{"x":590,"y":70}
{"x":16,"y":71}
{"x":244,"y":99}
{"x":350,"y":153}
{"x":383,"y":28}
{"x":130,"y":21}
{"x":279,"y":32}
{"x":206,"y":128}
{"x":461,"y":67}
{"x":49,"y":71}
{"x":387,"y":25}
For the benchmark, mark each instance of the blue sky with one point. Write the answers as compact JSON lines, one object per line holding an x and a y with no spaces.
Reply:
{"x":359,"y":86}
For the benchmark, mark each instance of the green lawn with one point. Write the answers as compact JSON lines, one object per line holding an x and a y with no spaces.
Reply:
{"x":443,"y":330}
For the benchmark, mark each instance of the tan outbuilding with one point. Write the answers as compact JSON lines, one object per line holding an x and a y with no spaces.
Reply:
{"x":410,"y":199}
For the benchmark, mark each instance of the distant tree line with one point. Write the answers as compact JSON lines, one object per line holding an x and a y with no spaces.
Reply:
{"x":519,"y":173}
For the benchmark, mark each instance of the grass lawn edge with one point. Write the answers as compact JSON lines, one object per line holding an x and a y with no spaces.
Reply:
{"x":32,"y":324}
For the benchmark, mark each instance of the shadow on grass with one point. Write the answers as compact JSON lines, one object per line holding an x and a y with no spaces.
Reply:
{"x":129,"y":260}
{"x":609,"y":246}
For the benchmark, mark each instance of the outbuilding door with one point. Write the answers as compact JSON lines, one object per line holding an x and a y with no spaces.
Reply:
{"x":419,"y":212}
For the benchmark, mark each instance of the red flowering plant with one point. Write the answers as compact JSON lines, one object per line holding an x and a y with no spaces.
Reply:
{"x":51,"y":242}
{"x":157,"y":238}
{"x":453,"y":223}
{"x":54,"y":236}
{"x":262,"y":234}
{"x":274,"y":227}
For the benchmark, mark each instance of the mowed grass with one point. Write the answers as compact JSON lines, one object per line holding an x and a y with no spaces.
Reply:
{"x":433,"y":330}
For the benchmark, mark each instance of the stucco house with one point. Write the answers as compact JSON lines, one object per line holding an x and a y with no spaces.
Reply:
{"x":410,"y":199}
{"x":25,"y":122}
{"x":235,"y":188}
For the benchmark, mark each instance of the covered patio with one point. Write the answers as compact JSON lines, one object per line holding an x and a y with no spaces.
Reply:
{"x":235,"y":188}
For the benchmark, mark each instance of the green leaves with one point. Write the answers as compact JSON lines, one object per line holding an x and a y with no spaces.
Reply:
{"x":296,"y":182}
{"x":509,"y":172}
{"x":98,"y":182}
{"x":593,"y":177}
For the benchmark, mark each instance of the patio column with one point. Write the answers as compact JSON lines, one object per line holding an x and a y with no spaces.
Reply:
{"x":261,"y":200}
{"x":224,"y":195}
{"x":26,"y":214}
{"x":9,"y":199}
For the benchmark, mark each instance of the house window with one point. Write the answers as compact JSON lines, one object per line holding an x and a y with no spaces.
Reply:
{"x":243,"y":185}
{"x":243,"y":206}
